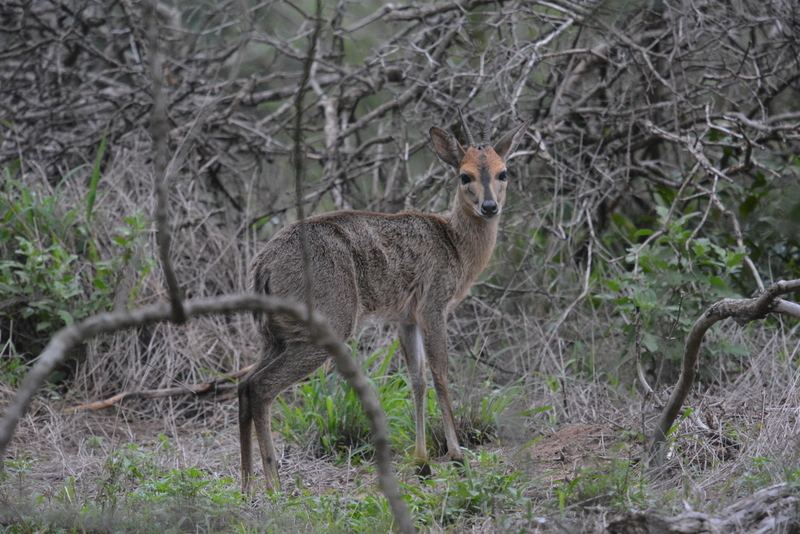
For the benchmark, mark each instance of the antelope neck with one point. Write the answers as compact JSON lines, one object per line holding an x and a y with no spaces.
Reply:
{"x":474,"y":237}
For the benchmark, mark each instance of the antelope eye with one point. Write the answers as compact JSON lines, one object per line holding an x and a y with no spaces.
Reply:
{"x":465,"y":179}
{"x":503,"y":176}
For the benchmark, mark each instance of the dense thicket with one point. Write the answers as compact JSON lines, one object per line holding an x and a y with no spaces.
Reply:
{"x":660,"y":173}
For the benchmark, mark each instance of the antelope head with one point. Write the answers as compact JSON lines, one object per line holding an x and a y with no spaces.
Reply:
{"x":481,"y":168}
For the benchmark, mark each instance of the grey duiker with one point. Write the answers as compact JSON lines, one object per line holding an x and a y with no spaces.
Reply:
{"x":408,"y":268}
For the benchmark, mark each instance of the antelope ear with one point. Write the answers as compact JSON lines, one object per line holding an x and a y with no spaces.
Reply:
{"x":509,"y":142}
{"x":446,"y":147}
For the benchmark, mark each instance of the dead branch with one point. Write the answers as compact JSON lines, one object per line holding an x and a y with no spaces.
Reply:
{"x":596,"y":116}
{"x":158,"y":132}
{"x":742,"y":311}
{"x":223,"y":385}
{"x":769,"y":510}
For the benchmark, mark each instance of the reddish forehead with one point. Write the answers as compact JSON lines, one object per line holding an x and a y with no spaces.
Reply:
{"x":475,"y":161}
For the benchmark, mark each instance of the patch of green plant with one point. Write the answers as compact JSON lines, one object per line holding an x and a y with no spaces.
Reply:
{"x":326,"y":415}
{"x":364,"y":512}
{"x":762,"y":472}
{"x":669,"y":280}
{"x":52,"y":271}
{"x":485,"y":485}
{"x":133,"y":494}
{"x":479,"y":420}
{"x":618,"y":485}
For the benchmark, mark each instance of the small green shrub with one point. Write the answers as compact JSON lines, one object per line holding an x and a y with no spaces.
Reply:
{"x":327,"y":414}
{"x":669,"y":281}
{"x":484,"y":486}
{"x":334,"y":512}
{"x":51,"y":270}
{"x":618,"y":485}
{"x":478,"y":421}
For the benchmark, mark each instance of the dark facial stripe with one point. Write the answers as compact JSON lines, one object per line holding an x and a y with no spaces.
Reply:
{"x":485,"y":177}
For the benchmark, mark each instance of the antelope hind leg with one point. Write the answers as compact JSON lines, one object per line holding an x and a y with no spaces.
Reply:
{"x":296,"y":362}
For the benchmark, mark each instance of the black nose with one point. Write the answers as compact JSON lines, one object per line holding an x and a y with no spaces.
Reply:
{"x":489,"y":208}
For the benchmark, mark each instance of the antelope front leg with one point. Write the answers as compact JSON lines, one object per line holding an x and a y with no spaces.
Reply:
{"x":411,"y":340}
{"x":436,"y":348}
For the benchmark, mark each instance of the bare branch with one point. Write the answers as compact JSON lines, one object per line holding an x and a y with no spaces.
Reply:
{"x":742,"y":311}
{"x":226,"y":385}
{"x":158,"y":132}
{"x":299,"y":155}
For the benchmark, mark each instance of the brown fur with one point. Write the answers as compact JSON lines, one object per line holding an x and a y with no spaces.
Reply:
{"x":408,"y":268}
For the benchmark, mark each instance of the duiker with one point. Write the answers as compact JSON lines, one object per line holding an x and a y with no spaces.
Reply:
{"x":409,"y":268}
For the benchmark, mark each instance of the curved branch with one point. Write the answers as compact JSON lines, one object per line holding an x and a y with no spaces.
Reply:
{"x":740,"y":310}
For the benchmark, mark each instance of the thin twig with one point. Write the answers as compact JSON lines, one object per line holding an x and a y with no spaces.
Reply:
{"x":158,"y":132}
{"x":226,"y":384}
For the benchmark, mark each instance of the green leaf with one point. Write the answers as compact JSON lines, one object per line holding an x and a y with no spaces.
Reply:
{"x":749,"y":205}
{"x":717,"y":281}
{"x":651,"y":342}
{"x":613,"y":285}
{"x":99,"y":284}
{"x":734,"y":259}
{"x":65,"y":316}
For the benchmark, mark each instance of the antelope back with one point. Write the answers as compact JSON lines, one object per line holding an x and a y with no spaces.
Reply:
{"x":481,"y":168}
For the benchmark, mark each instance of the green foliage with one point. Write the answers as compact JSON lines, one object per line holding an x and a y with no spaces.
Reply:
{"x":478,"y":421}
{"x":364,"y":512}
{"x":132,"y":494}
{"x":619,"y":486}
{"x":671,"y":277}
{"x":326,"y":415}
{"x":760,"y":473}
{"x":51,"y":273}
{"x":485,"y":485}
{"x":769,"y":209}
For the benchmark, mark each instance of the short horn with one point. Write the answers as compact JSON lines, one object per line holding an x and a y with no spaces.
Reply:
{"x":487,"y":128}
{"x":470,"y":140}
